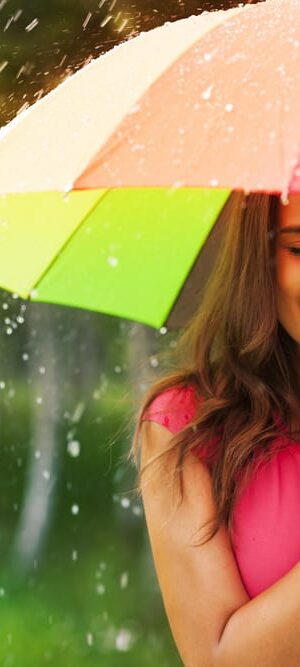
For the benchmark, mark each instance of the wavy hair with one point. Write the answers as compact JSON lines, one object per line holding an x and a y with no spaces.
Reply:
{"x":242,"y":363}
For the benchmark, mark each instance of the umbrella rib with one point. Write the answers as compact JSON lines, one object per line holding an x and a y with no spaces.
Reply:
{"x":69,"y":239}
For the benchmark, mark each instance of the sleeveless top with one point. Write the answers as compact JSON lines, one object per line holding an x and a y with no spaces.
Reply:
{"x":266,"y":517}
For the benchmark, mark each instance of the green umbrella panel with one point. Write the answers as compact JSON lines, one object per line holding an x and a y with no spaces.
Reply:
{"x":124,"y":252}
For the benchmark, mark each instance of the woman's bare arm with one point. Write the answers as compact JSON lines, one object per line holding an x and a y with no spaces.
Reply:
{"x":213,"y":621}
{"x":266,"y":630}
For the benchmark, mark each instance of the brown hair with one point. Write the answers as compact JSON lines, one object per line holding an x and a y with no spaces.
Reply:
{"x":241,"y":362}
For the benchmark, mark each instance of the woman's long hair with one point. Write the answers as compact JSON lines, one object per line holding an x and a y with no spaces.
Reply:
{"x":234,"y":352}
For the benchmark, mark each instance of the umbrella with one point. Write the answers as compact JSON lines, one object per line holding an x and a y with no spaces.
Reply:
{"x":133,"y":159}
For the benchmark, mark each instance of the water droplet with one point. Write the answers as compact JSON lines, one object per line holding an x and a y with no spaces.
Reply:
{"x":86,"y":20}
{"x":89,"y":639}
{"x":106,"y":21}
{"x":163,"y":330}
{"x":229,"y":107}
{"x":207,"y":57}
{"x":284,"y":198}
{"x":46,"y":474}
{"x":75,"y":509}
{"x":2,"y":384}
{"x":214,"y":182}
{"x":74,"y":554}
{"x":25,"y":356}
{"x":113,"y":261}
{"x":73,"y":448}
{"x":124,"y":640}
{"x":137,"y":510}
{"x":100,"y":589}
{"x":125,"y":502}
{"x":207,"y":93}
{"x":32,"y":25}
{"x":124,"y":580}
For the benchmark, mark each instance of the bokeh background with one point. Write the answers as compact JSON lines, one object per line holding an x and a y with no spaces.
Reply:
{"x":77,"y":583}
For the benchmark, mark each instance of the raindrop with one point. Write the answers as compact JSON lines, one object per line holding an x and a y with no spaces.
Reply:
{"x":2,"y":592}
{"x":5,"y":306}
{"x":2,"y":384}
{"x":46,"y":474}
{"x":100,"y":589}
{"x":125,"y":502}
{"x":112,"y":261}
{"x":79,"y":410}
{"x":284,"y":198}
{"x":118,"y":369}
{"x":32,"y":25}
{"x":134,"y":109}
{"x":229,"y":107}
{"x":137,"y":510}
{"x":37,"y":454}
{"x":122,"y":26}
{"x":10,"y":20}
{"x":39,"y":400}
{"x":124,"y":580}
{"x":33,"y":293}
{"x":74,"y":554}
{"x":25,"y":356}
{"x":73,"y":448}
{"x":86,"y":20}
{"x":154,"y":362}
{"x":106,"y":20}
{"x":214,"y":182}
{"x":9,"y":331}
{"x":176,"y":185}
{"x":42,"y":370}
{"x":163,"y":330}
{"x":137,"y":147}
{"x":124,"y":640}
{"x":207,"y":93}
{"x":207,"y":57}
{"x":89,"y":639}
{"x":75,"y":509}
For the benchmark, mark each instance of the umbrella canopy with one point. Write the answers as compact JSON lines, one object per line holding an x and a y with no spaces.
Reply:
{"x":208,"y":101}
{"x":121,"y":252}
{"x":149,"y":147}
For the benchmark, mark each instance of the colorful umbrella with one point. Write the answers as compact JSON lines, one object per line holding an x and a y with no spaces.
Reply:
{"x":149,"y":141}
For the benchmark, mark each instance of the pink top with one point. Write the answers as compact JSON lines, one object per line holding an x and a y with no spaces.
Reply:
{"x":266,"y":518}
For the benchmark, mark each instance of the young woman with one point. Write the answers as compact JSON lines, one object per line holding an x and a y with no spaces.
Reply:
{"x":216,"y":443}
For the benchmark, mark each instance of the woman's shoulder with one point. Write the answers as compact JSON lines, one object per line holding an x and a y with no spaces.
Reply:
{"x":173,"y":408}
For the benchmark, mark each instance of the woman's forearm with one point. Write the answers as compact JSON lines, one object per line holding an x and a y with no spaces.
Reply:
{"x":266,"y":630}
